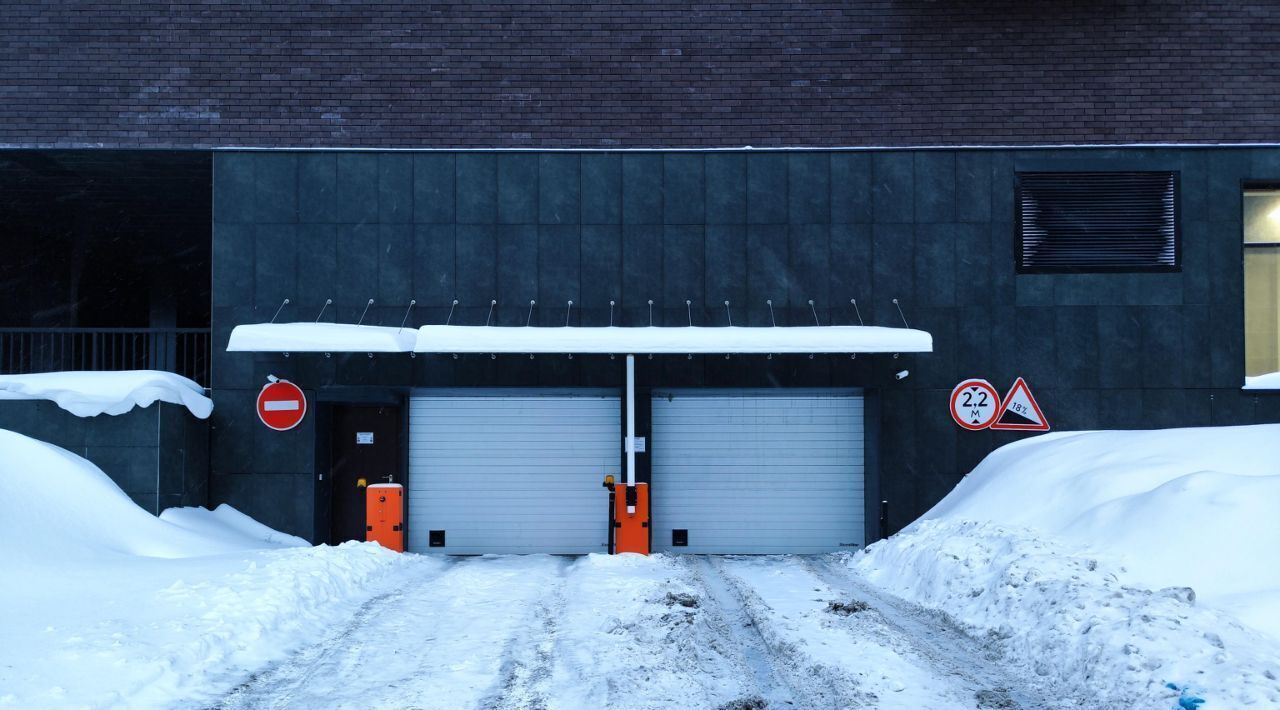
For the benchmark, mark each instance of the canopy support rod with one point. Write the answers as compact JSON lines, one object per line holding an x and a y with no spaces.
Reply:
{"x":283,"y":303}
{"x":365,"y":313}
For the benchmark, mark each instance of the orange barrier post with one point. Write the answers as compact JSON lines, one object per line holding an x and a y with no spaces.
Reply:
{"x":384,"y":515}
{"x":631,"y":530}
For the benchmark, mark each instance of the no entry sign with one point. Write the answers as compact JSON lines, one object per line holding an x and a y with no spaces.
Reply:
{"x":281,"y":405}
{"x":974,"y":404}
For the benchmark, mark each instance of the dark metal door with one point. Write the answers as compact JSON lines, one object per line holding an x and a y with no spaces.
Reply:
{"x":366,"y":450}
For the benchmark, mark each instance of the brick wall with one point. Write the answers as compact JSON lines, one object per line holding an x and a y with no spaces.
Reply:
{"x":415,"y":74}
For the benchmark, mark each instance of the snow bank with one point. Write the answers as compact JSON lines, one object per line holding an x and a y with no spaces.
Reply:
{"x":679,"y":341}
{"x":1140,"y":557}
{"x":55,"y":505}
{"x":107,"y":606}
{"x":1067,"y":617}
{"x":88,"y":394}
{"x":1179,"y":507}
{"x":225,"y":522}
{"x":146,"y":632}
{"x":320,"y":338}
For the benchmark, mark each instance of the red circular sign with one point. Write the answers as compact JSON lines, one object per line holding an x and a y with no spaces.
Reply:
{"x":974,"y":404}
{"x":281,"y":405}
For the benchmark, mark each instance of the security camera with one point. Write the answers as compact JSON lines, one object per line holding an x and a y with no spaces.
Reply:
{"x":902,"y":375}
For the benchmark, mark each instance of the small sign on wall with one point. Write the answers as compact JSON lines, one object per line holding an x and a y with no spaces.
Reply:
{"x":976,"y":406}
{"x":281,"y":404}
{"x":1020,"y":411}
{"x":364,"y":437}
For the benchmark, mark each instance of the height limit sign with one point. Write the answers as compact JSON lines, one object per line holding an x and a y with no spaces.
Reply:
{"x":974,"y":404}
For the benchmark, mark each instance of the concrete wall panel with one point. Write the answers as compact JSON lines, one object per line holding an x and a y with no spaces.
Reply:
{"x":933,"y":229}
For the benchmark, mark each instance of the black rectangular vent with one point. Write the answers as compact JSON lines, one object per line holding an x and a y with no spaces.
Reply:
{"x":1097,"y":221}
{"x":679,"y":538}
{"x":435,"y":538}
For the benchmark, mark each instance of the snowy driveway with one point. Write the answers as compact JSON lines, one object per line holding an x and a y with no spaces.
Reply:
{"x":634,"y":632}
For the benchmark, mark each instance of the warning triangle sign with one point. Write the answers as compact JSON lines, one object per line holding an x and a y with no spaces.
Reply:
{"x":1019,"y":410}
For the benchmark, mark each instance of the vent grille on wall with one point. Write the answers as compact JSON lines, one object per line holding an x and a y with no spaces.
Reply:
{"x":1097,"y":221}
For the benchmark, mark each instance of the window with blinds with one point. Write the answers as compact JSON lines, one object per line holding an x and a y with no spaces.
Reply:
{"x":1097,"y":221}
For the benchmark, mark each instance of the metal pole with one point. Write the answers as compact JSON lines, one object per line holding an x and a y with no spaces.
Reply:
{"x":631,"y":425}
{"x":884,"y":519}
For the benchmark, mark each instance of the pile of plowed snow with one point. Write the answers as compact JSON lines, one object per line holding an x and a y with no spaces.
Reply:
{"x":54,"y":503}
{"x":1136,"y":563}
{"x":107,"y":605}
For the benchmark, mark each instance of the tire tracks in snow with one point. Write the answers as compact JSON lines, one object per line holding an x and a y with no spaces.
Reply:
{"x":935,"y":638}
{"x":438,"y":641}
{"x":782,"y":676}
{"x":526,"y":670}
{"x":731,"y":620}
{"x":278,"y":684}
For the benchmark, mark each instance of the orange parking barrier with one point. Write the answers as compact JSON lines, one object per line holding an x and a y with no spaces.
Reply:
{"x":384,"y":515}
{"x":631,"y":529}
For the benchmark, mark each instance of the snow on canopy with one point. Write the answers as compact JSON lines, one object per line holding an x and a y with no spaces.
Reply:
{"x":88,"y":394}
{"x":320,"y":338}
{"x":678,"y":341}
{"x":341,"y":338}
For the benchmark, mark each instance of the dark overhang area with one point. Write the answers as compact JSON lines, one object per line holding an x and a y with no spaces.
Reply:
{"x":105,"y":238}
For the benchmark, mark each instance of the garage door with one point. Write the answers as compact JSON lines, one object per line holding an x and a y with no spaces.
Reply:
{"x":755,"y":472}
{"x":511,"y":471}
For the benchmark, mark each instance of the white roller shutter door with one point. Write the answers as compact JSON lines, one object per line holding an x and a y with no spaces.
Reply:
{"x":757,"y":472}
{"x":512,"y":472}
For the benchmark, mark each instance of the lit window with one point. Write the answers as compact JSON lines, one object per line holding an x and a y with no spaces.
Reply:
{"x":1262,"y":282}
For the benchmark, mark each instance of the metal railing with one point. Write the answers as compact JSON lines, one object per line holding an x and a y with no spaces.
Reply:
{"x":181,"y":350}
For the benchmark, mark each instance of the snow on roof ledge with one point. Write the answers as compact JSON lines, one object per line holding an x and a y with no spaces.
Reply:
{"x":88,"y":394}
{"x":320,"y":338}
{"x":680,"y":340}
{"x":1269,"y":381}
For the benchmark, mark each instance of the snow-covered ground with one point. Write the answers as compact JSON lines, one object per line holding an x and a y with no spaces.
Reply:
{"x":108,"y":606}
{"x":1135,"y":565}
{"x":105,"y":605}
{"x":634,"y":632}
{"x":1028,"y":588}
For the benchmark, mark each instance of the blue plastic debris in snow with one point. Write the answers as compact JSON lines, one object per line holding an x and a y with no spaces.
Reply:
{"x":1186,"y":701}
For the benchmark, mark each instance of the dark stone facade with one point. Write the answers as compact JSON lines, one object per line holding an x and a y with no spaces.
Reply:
{"x":158,"y":455}
{"x":932,"y":228}
{"x":413,"y":74}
